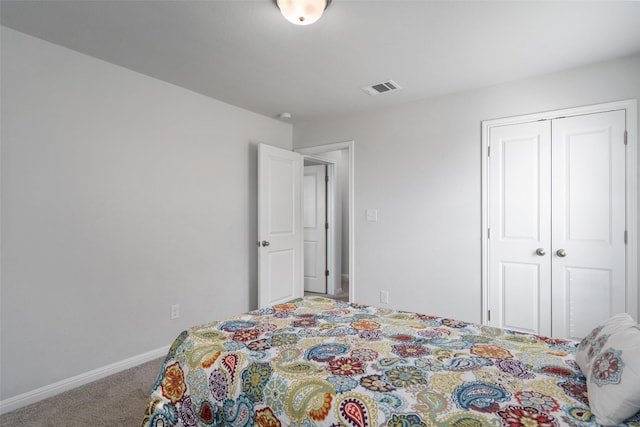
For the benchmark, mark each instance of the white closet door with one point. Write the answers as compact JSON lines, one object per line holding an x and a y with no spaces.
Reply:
{"x":520,"y":227}
{"x":588,"y":221}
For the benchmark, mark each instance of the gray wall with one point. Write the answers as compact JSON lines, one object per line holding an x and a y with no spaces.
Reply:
{"x":121,"y":195}
{"x":419,"y":165}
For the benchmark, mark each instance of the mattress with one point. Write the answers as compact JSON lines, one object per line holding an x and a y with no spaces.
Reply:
{"x":320,"y":362}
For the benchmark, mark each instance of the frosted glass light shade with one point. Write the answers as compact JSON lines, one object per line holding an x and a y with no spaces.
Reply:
{"x":302,"y":12}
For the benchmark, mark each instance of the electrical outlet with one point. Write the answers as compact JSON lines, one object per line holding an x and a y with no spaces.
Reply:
{"x":384,"y":297}
{"x":175,"y":311}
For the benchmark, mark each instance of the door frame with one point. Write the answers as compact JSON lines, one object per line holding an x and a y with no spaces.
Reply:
{"x":350,"y":147}
{"x":631,"y":192}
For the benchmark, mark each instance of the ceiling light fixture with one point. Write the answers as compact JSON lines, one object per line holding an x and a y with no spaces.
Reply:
{"x":302,"y":12}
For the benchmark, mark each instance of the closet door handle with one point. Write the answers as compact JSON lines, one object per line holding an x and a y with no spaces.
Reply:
{"x":540,"y":252}
{"x":561,"y":253}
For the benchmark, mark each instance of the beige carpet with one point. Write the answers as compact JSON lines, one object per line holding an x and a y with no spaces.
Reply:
{"x":114,"y":401}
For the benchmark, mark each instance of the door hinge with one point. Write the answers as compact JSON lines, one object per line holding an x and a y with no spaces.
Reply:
{"x":489,"y":315}
{"x":626,"y":135}
{"x":626,"y":236}
{"x":488,"y":233}
{"x":326,"y":178}
{"x":326,"y":273}
{"x":326,"y":225}
{"x":489,"y":151}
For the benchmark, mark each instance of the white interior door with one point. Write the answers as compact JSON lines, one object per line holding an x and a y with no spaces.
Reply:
{"x":520,"y":227}
{"x":588,"y":221}
{"x":315,"y":232}
{"x":279,"y":225}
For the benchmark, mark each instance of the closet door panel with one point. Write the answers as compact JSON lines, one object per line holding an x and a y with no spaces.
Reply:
{"x":521,"y":286}
{"x":589,"y":296}
{"x":588,"y":221}
{"x":519,"y":278}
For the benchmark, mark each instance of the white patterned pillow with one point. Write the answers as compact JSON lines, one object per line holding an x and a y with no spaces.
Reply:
{"x":610,"y":359}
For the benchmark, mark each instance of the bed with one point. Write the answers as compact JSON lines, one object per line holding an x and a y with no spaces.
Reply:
{"x":320,"y":362}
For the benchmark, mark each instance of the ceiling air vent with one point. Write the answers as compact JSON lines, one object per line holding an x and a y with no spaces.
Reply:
{"x":382,"y":87}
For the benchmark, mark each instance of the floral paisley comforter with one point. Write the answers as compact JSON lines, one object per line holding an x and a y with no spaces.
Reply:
{"x":319,"y":362}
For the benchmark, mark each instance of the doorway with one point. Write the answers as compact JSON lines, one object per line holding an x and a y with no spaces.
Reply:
{"x":338,"y":159}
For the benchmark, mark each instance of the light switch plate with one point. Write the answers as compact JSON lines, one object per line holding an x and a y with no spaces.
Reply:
{"x":372,"y":215}
{"x":384,"y":297}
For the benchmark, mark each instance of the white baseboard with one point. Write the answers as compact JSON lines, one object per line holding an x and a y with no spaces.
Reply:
{"x":58,"y":387}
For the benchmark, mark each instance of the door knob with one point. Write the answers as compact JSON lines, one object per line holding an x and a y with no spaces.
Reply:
{"x":561,"y":253}
{"x":265,"y":243}
{"x":540,"y":252}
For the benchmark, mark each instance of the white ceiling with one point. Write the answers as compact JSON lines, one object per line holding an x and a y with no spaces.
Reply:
{"x":243,"y":52}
